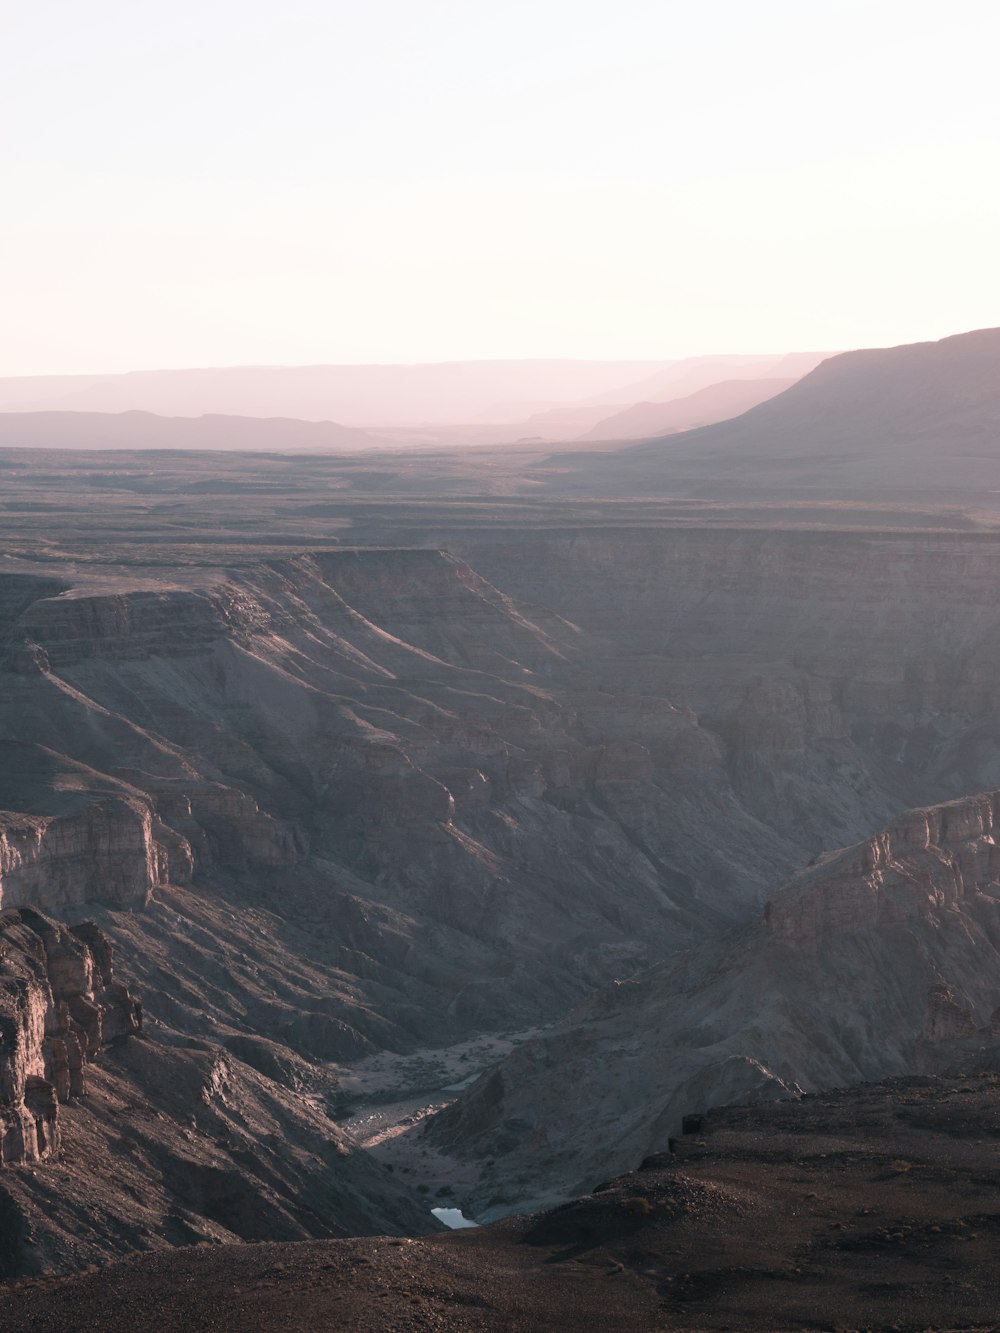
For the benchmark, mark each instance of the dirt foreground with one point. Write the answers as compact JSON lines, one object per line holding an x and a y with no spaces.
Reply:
{"x":874,"y":1208}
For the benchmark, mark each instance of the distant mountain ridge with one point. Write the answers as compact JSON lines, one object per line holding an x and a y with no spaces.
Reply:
{"x":716,"y":402}
{"x":528,"y":396}
{"x":681,"y":378}
{"x":146,"y":430}
{"x":356,"y":395}
{"x":923,"y":417}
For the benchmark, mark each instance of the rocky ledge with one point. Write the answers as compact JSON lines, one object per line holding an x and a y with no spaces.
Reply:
{"x":59,"y":1006}
{"x":926,"y":861}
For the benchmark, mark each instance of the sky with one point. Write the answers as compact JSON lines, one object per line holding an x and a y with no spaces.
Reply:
{"x":302,"y":181}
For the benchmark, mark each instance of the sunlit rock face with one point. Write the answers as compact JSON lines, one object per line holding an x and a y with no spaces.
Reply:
{"x":927,"y":861}
{"x":103,"y":851}
{"x":59,"y":1008}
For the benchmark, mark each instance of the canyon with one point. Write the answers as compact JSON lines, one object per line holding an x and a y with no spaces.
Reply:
{"x":668,"y":776}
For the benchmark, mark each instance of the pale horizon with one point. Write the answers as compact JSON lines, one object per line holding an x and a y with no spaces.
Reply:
{"x":416,"y":362}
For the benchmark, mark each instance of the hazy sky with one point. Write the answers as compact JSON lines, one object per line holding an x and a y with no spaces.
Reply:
{"x":285,"y":181}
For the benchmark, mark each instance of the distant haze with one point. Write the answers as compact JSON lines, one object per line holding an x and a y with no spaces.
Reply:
{"x":527,"y":394}
{"x":362,"y":395}
{"x":323,"y":182}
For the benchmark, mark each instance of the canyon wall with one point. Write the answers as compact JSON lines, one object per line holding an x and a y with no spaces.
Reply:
{"x":926,"y":861}
{"x":382,"y":722}
{"x":59,"y":1008}
{"x":577,"y":749}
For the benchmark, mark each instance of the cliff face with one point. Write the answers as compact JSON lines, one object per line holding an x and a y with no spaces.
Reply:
{"x":73,"y":626}
{"x":579,"y":750}
{"x":105,"y":853}
{"x":72,"y":835}
{"x":878,"y":960}
{"x":59,"y":1007}
{"x":928,"y":861}
{"x":160,"y":1142}
{"x":384,"y":723}
{"x":843,"y":676}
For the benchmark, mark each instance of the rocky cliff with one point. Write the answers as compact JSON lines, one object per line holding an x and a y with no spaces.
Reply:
{"x":555,"y":761}
{"x":929,"y":861}
{"x":59,"y":1008}
{"x":161,"y":1142}
{"x":75,"y":625}
{"x":383,"y":723}
{"x":71,"y":835}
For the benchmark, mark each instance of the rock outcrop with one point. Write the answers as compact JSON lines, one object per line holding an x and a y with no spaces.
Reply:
{"x":70,"y":835}
{"x":59,"y":1008}
{"x":926,"y":862}
{"x":74,"y":626}
{"x":162,"y":1142}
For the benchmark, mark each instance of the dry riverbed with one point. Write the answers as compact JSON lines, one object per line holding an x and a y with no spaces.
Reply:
{"x":390,"y":1095}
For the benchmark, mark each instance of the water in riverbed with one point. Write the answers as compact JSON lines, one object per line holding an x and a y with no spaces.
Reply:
{"x":453,"y":1217}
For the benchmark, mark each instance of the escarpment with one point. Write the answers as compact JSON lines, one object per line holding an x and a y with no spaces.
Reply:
{"x":70,"y":835}
{"x":73,"y":626}
{"x":59,"y":1008}
{"x":332,"y":803}
{"x":558,"y":760}
{"x":945,"y":857}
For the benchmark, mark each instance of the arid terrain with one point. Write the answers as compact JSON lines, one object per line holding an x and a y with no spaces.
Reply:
{"x":873,"y":1208}
{"x":415,"y":826}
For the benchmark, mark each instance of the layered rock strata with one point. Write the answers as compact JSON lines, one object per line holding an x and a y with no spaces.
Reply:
{"x":59,"y":1008}
{"x":70,"y":835}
